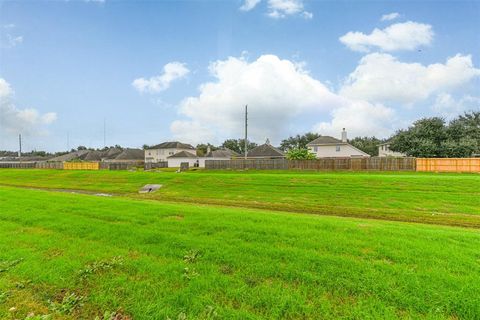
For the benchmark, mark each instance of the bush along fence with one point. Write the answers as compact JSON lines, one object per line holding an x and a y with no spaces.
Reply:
{"x":357,"y":164}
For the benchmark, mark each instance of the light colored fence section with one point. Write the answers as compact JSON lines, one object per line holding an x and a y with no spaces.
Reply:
{"x":49,"y":165}
{"x":81,"y":165}
{"x":356,"y":164}
{"x":448,"y":164}
{"x":17,"y":165}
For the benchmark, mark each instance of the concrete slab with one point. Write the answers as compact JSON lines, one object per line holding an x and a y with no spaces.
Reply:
{"x":149,"y":188}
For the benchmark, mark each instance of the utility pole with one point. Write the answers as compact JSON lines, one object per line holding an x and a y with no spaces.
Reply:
{"x":246,"y":125}
{"x":20,"y":146}
{"x":68,"y":141}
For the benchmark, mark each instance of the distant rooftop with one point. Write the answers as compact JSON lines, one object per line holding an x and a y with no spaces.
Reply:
{"x":183,"y":154}
{"x":325,"y":140}
{"x":172,"y":145}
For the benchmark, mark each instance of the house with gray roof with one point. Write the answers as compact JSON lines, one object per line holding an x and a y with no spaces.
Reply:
{"x":161,"y":152}
{"x":330,"y":147}
{"x":265,"y":151}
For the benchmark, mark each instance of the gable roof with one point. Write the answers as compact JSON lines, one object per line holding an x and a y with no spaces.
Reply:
{"x":325,"y":140}
{"x":172,"y":145}
{"x":265,"y":150}
{"x":71,"y":156}
{"x":131,"y":154}
{"x":183,"y":154}
{"x":222,"y":153}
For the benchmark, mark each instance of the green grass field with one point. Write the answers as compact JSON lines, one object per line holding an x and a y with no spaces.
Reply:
{"x":239,"y":245}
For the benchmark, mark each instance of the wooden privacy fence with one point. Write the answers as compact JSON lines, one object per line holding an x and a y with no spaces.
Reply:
{"x":357,"y":164}
{"x":448,"y":164}
{"x":49,"y":165}
{"x":155,"y":165}
{"x":81,"y":165}
{"x":17,"y":165}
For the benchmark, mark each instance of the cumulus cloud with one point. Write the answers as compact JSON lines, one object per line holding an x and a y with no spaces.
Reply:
{"x":171,"y":71}
{"x":278,"y":9}
{"x":360,"y":118}
{"x":390,"y":16}
{"x":249,"y":5}
{"x":283,"y":8}
{"x":380,"y":77}
{"x":400,"y":36}
{"x":448,"y":107}
{"x":14,"y":121}
{"x":277,"y":91}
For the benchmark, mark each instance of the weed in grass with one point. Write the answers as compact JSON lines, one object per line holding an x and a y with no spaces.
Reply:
{"x":109,"y":315}
{"x":7,"y":265}
{"x":190,"y":274}
{"x":4,"y":296}
{"x":210,"y":313}
{"x":70,"y":301}
{"x":191,"y":256}
{"x":100,"y":266}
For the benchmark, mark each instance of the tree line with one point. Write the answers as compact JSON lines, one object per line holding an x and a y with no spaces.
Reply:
{"x":427,"y":137}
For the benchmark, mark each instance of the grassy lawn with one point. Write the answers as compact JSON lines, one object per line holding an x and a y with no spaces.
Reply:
{"x":78,"y":256}
{"x":448,"y":199}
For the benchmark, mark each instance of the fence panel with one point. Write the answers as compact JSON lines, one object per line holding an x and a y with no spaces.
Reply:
{"x":448,"y":164}
{"x":17,"y":165}
{"x":81,"y":165}
{"x":155,"y":165}
{"x":49,"y":165}
{"x":356,"y":164}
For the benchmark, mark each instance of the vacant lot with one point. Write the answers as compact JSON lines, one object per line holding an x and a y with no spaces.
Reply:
{"x":75,"y":256}
{"x":449,"y":199}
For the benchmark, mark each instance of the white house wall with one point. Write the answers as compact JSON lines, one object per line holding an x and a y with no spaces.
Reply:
{"x":330,"y":151}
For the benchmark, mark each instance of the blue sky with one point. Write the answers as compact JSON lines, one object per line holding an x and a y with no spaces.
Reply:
{"x":68,"y":65}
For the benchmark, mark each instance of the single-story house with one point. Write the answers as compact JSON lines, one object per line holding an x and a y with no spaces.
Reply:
{"x":265,"y":151}
{"x":330,"y":147}
{"x":175,"y":160}
{"x":193,"y":160}
{"x":162,"y":151}
{"x":384,"y":151}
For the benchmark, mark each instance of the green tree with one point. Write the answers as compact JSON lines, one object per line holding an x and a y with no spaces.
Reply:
{"x":366,"y":144}
{"x":298,"y":141}
{"x":202,"y":149}
{"x":432,"y":137}
{"x":300,"y":154}
{"x":238,"y":145}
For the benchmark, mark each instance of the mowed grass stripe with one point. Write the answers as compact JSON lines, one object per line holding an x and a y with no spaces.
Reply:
{"x":448,"y":199}
{"x":252,"y":264}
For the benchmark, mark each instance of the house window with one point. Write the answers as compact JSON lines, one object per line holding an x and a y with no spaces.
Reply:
{"x":338,"y":148}
{"x":315,"y":149}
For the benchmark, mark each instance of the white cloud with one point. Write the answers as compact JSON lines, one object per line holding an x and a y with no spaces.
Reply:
{"x":360,"y":118}
{"x":283,"y":8}
{"x":400,"y":36}
{"x":7,"y":37}
{"x":278,"y":93}
{"x":448,"y":107}
{"x":380,"y":77}
{"x":13,"y":120}
{"x":171,"y":72}
{"x":390,"y":16}
{"x":278,"y":9}
{"x":249,"y":5}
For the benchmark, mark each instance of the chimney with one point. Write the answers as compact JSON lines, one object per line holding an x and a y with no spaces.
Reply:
{"x":208,"y":149}
{"x":344,"y":135}
{"x":268,"y":141}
